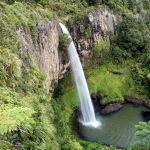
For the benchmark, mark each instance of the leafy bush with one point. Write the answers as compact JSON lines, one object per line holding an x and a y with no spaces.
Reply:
{"x":8,"y":96}
{"x":101,"y":51}
{"x":142,"y":137}
{"x":132,"y":36}
{"x":10,"y":68}
{"x":117,"y":54}
{"x":94,"y":2}
{"x":72,"y":146}
{"x":64,"y":41}
{"x":15,"y":118}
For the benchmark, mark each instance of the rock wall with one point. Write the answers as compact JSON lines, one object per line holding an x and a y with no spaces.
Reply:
{"x":46,"y":55}
{"x":98,"y":25}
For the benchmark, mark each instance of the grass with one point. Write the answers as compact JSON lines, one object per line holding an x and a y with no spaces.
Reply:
{"x":70,"y":101}
{"x":113,"y":82}
{"x":112,"y":86}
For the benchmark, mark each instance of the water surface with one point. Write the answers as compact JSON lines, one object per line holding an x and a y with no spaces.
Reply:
{"x":117,"y":129}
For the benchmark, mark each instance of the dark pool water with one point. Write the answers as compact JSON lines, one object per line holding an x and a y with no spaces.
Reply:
{"x":117,"y":129}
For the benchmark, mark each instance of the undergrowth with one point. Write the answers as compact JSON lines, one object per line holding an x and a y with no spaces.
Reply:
{"x":29,"y":117}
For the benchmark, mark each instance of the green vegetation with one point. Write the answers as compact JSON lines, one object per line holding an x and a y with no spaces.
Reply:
{"x":142,"y":140}
{"x":101,"y":52}
{"x":112,"y":87}
{"x":132,"y":43}
{"x":29,"y":117}
{"x":64,"y":41}
{"x":26,"y":120}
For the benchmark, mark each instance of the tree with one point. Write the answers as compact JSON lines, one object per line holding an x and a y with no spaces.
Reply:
{"x":142,"y":137}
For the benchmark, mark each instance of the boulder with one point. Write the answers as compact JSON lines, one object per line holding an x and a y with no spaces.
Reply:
{"x":96,"y":99}
{"x":111,"y":108}
{"x":93,"y":96}
{"x":134,"y":100}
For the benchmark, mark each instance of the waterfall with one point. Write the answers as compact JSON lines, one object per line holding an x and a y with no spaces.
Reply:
{"x":86,"y":106}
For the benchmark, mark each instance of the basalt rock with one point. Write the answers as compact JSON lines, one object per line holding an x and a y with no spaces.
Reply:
{"x":96,"y":99}
{"x":44,"y":53}
{"x":134,"y":100}
{"x":111,"y":108}
{"x":99,"y":24}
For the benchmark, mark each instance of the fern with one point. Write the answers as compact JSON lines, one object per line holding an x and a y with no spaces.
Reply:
{"x":10,"y":67}
{"x":8,"y":95}
{"x":12,"y":118}
{"x":142,"y":137}
{"x":4,"y":145}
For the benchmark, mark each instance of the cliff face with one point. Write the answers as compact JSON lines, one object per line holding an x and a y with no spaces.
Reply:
{"x":51,"y":59}
{"x":46,"y":54}
{"x":98,"y":25}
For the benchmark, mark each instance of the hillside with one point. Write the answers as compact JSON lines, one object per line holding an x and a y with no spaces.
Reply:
{"x":35,"y":83}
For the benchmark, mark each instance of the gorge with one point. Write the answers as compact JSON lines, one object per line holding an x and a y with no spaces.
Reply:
{"x":38,"y":107}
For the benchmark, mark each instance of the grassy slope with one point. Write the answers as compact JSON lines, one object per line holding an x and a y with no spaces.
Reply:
{"x":43,"y":134}
{"x":113,"y":87}
{"x":23,"y":89}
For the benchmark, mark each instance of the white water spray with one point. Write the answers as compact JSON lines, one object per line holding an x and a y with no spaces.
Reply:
{"x":87,"y":110}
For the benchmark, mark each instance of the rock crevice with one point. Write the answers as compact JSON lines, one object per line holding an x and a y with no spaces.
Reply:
{"x":45,"y":54}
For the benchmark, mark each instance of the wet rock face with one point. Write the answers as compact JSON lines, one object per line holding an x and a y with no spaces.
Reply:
{"x":27,"y":47}
{"x":134,"y":100}
{"x":46,"y":54}
{"x":96,"y":100}
{"x":103,"y":23}
{"x":111,"y":108}
{"x":98,"y":25}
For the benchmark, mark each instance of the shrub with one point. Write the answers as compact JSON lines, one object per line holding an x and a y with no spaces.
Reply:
{"x":117,"y":54}
{"x":64,"y":41}
{"x":101,"y":51}
{"x":10,"y":67}
{"x":94,"y":2}
{"x":142,"y":137}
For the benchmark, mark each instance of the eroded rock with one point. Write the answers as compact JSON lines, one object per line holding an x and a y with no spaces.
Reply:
{"x":100,"y":24}
{"x":111,"y":108}
{"x":45,"y":53}
{"x":134,"y":100}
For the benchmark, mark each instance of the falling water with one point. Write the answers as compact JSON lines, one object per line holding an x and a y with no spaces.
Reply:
{"x":86,"y":106}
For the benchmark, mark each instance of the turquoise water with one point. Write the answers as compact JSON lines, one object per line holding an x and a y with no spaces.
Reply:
{"x":117,"y":129}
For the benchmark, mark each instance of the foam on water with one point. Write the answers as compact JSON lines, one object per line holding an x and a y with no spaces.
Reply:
{"x":87,"y":110}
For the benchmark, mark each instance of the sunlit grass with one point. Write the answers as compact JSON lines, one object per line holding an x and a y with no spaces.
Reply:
{"x":112,"y":86}
{"x":70,"y":101}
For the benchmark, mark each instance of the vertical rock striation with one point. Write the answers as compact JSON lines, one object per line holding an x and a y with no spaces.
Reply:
{"x":48,"y":40}
{"x":98,"y":25}
{"x":46,"y":54}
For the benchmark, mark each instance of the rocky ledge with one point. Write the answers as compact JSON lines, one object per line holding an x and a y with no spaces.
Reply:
{"x":105,"y":109}
{"x":111,"y":108}
{"x":134,"y":100}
